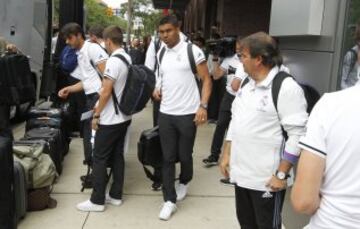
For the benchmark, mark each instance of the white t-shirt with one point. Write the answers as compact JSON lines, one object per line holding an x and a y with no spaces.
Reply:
{"x":90,"y":53}
{"x":230,"y":65}
{"x":180,"y":93}
{"x":117,"y":71}
{"x":255,"y":130}
{"x":333,"y":134}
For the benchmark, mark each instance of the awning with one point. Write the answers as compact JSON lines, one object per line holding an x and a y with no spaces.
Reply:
{"x":170,"y":4}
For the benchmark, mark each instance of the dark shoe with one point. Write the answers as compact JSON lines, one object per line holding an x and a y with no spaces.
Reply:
{"x":211,"y":161}
{"x":226,"y":181}
{"x":156,"y":186}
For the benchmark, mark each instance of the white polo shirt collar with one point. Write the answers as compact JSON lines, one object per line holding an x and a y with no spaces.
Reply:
{"x":177,"y":47}
{"x":267,"y":82}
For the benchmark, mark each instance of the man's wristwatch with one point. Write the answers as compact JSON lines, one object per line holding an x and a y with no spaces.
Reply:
{"x":96,"y":116}
{"x":281,"y":175}
{"x":204,"y":106}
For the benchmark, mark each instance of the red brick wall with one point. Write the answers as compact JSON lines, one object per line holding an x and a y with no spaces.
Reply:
{"x":245,"y":17}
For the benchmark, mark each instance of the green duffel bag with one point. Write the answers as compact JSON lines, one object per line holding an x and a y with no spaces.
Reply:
{"x":39,"y":168}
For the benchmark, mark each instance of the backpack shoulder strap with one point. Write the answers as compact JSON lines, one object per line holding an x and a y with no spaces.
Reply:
{"x":244,"y":82}
{"x":122,"y":58}
{"x":276,"y":85}
{"x":162,"y":52}
{"x":191,"y":58}
{"x":157,"y":43}
{"x":115,"y":100}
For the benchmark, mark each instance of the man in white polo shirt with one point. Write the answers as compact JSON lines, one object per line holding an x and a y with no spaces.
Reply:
{"x":151,"y":62}
{"x":91,"y":58}
{"x":111,"y":127}
{"x":257,"y":152}
{"x":182,"y":109}
{"x":327,"y":183}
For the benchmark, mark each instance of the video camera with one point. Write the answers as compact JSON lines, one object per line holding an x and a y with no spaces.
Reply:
{"x":223,"y":47}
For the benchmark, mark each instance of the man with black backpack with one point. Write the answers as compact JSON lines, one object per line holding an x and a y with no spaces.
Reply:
{"x":111,"y":126}
{"x":182,"y":108}
{"x":268,"y":118}
{"x":91,"y":59}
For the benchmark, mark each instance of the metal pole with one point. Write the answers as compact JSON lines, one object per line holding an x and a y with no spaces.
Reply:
{"x":129,"y":24}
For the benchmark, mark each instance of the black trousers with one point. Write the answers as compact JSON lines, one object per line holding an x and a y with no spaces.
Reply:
{"x":177,"y":136}
{"x":256,"y":211}
{"x":156,"y":108}
{"x":90,"y":103}
{"x":217,"y":93}
{"x":222,"y":124}
{"x":109,"y":143}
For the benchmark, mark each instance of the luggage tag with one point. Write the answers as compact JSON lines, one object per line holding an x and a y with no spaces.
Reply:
{"x":87,"y":115}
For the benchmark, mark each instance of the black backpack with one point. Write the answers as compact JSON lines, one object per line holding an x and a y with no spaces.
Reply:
{"x":140,"y":84}
{"x":311,"y":94}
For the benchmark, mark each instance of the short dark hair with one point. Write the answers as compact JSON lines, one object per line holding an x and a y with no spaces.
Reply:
{"x":262,"y":44}
{"x":170,"y":19}
{"x":96,"y":30}
{"x":72,"y":29}
{"x":114,"y":33}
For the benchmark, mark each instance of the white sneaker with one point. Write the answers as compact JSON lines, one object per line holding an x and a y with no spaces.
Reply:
{"x":112,"y":201}
{"x":89,"y":206}
{"x":167,"y":210}
{"x":181,"y":191}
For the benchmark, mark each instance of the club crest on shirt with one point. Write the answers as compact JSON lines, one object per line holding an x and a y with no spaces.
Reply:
{"x":178,"y":58}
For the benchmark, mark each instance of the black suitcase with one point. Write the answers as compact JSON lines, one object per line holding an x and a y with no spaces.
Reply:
{"x":20,"y":190}
{"x":149,"y":148}
{"x":55,"y":123}
{"x":58,"y":146}
{"x":17,"y":85}
{"x":7,"y":207}
{"x":38,"y":112}
{"x":44,"y":122}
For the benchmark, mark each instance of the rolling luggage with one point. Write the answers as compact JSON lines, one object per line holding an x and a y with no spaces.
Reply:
{"x":20,"y":190}
{"x":149,"y":151}
{"x":38,"y":112}
{"x":46,"y":115}
{"x":17,"y":85}
{"x":7,"y":210}
{"x":58,"y":146}
{"x":44,"y":122}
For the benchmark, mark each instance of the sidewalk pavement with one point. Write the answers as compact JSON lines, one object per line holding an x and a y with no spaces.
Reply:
{"x":209,"y":205}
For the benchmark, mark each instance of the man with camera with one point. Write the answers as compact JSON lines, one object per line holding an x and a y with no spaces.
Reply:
{"x":227,"y":69}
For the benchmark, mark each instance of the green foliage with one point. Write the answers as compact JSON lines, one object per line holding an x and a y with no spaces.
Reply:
{"x":96,"y":15}
{"x":150,"y":17}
